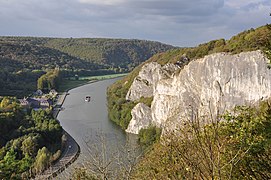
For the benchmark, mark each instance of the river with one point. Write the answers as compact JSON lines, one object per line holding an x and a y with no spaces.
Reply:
{"x":88,"y":124}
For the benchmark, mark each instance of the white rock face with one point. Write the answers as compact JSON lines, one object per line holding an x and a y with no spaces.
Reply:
{"x":215,"y":83}
{"x":144,"y":84}
{"x":141,"y":118}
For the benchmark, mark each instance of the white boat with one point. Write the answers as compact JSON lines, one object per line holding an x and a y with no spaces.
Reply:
{"x":88,"y":98}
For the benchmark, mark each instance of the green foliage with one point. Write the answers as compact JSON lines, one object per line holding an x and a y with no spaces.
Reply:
{"x":121,"y":112}
{"x":119,"y":109}
{"x":250,"y":135}
{"x":23,"y":134}
{"x":30,"y":145}
{"x":250,"y":40}
{"x":42,"y":160}
{"x":81,"y":173}
{"x":117,"y":53}
{"x":146,"y":100}
{"x":149,"y":136}
{"x":11,"y":167}
{"x":236,"y":146}
{"x":50,"y":80}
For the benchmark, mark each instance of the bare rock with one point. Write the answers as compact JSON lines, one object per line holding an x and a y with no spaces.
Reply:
{"x":144,"y":84}
{"x":211,"y":85}
{"x":205,"y":87}
{"x":141,"y":118}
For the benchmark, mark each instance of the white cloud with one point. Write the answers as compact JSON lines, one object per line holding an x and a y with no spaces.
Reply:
{"x":240,"y":3}
{"x":102,"y":2}
{"x":177,"y":22}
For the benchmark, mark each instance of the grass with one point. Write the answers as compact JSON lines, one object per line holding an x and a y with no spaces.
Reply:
{"x":67,"y":84}
{"x":109,"y":76}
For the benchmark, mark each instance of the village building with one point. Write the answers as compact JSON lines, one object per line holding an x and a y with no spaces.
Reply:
{"x":36,"y":103}
{"x":24,"y":103}
{"x":38,"y":93}
{"x":53,"y":93}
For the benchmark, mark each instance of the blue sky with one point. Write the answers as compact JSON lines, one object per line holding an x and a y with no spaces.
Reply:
{"x":176,"y":22}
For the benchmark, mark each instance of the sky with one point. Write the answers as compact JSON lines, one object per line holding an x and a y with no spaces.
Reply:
{"x":177,"y":22}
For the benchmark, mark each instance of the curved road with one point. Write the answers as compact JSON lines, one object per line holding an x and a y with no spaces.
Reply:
{"x":68,"y":156}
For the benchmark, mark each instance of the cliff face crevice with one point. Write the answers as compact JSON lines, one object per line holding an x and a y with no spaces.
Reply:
{"x":212,"y":84}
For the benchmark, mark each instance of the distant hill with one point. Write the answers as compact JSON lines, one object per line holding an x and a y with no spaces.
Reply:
{"x":39,"y":57}
{"x":114,"y":52}
{"x":24,"y":59}
{"x":110,"y":53}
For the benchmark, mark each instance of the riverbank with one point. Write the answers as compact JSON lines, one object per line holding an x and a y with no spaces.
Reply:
{"x":70,"y":152}
{"x":72,"y":149}
{"x":68,"y":84}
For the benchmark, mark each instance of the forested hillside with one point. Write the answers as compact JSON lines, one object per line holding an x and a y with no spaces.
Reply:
{"x":24,"y":59}
{"x":114,"y":52}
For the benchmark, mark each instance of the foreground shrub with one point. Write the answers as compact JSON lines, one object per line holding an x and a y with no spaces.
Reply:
{"x":235,"y":146}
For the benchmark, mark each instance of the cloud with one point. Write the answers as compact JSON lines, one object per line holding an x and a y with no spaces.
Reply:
{"x":177,"y":22}
{"x":243,"y":3}
{"x":161,"y":7}
{"x":102,"y":2}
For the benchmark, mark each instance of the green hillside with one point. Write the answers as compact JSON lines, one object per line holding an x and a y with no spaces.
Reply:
{"x":114,"y":52}
{"x":24,"y":59}
{"x":253,"y":39}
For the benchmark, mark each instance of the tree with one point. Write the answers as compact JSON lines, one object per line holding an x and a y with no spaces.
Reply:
{"x":104,"y":163}
{"x":50,"y":80}
{"x":42,"y":160}
{"x":29,"y":146}
{"x":25,"y":163}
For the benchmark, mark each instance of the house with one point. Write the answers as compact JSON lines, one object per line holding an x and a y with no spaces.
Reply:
{"x":24,"y":103}
{"x":36,"y":103}
{"x":45,"y":103}
{"x":38,"y":92}
{"x":53,"y":93}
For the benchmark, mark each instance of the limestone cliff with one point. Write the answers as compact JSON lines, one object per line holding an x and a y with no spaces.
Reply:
{"x":215,"y":83}
{"x":144,"y":84}
{"x":141,"y":118}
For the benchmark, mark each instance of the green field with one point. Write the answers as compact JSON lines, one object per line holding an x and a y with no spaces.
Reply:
{"x":70,"y":83}
{"x":109,"y":76}
{"x":67,"y":84}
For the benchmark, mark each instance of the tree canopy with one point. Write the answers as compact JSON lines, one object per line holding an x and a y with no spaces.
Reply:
{"x":28,"y":140}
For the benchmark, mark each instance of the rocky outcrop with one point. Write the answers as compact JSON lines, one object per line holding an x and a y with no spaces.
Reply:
{"x":141,"y":118}
{"x":207,"y":86}
{"x":211,"y":85}
{"x":144,"y":84}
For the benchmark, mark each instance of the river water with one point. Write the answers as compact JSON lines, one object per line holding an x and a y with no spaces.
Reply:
{"x":88,"y":123}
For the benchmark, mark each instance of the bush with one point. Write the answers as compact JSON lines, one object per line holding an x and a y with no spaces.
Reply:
{"x":148,"y":136}
{"x":236,"y":146}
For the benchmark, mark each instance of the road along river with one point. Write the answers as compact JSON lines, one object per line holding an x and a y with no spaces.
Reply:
{"x":88,"y":124}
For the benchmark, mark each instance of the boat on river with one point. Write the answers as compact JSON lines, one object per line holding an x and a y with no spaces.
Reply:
{"x":88,"y":98}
